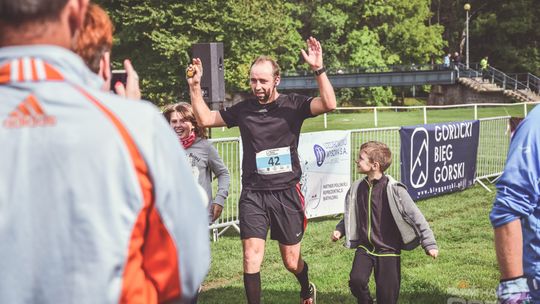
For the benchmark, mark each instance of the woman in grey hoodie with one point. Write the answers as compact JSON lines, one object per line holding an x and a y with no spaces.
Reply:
{"x":202,"y":156}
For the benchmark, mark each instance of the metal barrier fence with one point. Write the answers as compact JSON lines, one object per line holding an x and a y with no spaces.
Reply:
{"x":229,"y":151}
{"x":492,"y":149}
{"x":389,"y":136}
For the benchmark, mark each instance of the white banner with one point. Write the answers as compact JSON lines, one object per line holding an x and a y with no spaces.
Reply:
{"x":325,"y":158}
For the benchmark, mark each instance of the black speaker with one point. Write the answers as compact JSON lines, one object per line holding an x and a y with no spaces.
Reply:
{"x":213,"y":79}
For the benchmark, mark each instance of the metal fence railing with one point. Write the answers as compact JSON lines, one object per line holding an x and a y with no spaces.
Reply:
{"x":492,"y":149}
{"x":389,"y":136}
{"x":509,"y":81}
{"x":532,"y":82}
{"x":229,"y":151}
{"x":475,"y":111}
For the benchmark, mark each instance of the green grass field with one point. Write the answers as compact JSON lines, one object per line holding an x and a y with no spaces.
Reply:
{"x":466,"y":267}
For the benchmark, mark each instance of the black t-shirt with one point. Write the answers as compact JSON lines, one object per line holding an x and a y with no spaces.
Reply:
{"x":270,"y":134}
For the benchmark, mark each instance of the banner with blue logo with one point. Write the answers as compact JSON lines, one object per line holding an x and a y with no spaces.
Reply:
{"x":439,"y":158}
{"x":325,"y":158}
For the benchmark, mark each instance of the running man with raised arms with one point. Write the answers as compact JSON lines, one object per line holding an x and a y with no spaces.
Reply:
{"x":270,"y":126}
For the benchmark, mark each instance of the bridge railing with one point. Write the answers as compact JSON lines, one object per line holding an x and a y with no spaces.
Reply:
{"x":530,"y":81}
{"x":472,"y":72}
{"x":503,"y":80}
{"x":533,"y":82}
{"x":381,"y":69}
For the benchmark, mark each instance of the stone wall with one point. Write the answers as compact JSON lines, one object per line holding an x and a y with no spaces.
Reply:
{"x":460,"y":94}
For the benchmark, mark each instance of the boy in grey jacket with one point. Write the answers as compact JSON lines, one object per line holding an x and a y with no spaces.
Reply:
{"x":380,"y":219}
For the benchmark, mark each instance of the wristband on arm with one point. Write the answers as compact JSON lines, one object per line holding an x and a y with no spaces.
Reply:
{"x":513,"y":291}
{"x":319,"y":71}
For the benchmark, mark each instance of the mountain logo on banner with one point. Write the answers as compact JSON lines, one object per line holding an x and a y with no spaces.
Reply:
{"x":320,"y":154}
{"x":419,"y":157}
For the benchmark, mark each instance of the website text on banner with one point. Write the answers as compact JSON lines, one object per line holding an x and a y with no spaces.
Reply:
{"x":326,"y":171}
{"x":439,"y":158}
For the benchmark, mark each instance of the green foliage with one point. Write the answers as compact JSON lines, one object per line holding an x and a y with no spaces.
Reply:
{"x":366,"y":51}
{"x":511,"y":26}
{"x":378,"y":96}
{"x":157,"y":36}
{"x":371,"y":33}
{"x":401,"y":27}
{"x":505,"y":30}
{"x":255,"y":28}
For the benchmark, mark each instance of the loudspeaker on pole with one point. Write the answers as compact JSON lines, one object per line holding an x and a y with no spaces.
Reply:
{"x":213,"y":79}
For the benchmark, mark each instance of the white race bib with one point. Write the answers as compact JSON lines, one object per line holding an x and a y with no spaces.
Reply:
{"x":274,"y":161}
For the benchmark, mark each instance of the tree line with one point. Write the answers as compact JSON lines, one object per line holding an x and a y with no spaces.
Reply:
{"x":157,"y":36}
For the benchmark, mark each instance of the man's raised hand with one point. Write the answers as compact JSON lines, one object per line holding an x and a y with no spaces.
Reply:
{"x":197,"y":70}
{"x":313,"y":56}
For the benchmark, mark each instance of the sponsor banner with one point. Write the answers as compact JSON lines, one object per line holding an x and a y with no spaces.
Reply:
{"x":439,"y":158}
{"x":325,"y":158}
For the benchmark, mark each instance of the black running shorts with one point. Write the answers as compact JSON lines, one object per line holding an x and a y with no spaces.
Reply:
{"x":281,"y":210}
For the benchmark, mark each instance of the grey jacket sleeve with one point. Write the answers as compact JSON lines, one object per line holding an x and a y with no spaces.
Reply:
{"x":415,"y":215}
{"x":220,"y":171}
{"x":341,"y":227}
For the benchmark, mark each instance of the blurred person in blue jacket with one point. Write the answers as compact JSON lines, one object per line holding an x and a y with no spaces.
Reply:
{"x":515,"y":216}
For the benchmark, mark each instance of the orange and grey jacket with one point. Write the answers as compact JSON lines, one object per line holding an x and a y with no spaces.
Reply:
{"x":95,"y":202}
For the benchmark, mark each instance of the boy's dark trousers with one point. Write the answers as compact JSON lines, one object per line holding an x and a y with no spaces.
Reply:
{"x":387,"y":271}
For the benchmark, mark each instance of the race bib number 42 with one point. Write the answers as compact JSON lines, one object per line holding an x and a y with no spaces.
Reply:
{"x":274,"y":161}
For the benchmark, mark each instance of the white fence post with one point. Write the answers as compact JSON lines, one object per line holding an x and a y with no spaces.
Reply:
{"x":375,"y":117}
{"x":475,"y":111}
{"x":524,"y":109}
{"x":425,"y":115}
{"x":325,"y":121}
